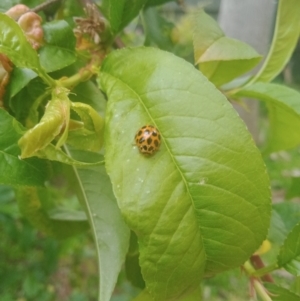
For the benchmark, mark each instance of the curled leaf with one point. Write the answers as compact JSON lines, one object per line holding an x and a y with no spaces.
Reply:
{"x":54,"y":122}
{"x":90,"y":135}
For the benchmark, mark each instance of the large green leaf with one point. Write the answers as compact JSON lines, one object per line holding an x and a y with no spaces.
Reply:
{"x":14,"y":171}
{"x":121,"y":12}
{"x":201,"y":203}
{"x":14,"y":44}
{"x":286,"y":34}
{"x":59,"y":50}
{"x":289,"y":256}
{"x":109,"y":230}
{"x":284,"y":113}
{"x":221,"y":59}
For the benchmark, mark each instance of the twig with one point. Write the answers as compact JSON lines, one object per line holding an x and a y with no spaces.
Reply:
{"x":44,"y":5}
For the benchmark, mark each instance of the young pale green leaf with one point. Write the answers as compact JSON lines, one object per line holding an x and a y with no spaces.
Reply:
{"x":90,"y":136}
{"x":201,"y":204}
{"x":281,"y":293}
{"x":55,"y":121}
{"x":221,"y":59}
{"x":16,"y":172}
{"x":284,"y":113}
{"x":289,"y":256}
{"x":14,"y":44}
{"x":121,"y":12}
{"x":59,"y":50}
{"x":88,"y":93}
{"x":109,"y":229}
{"x":286,"y":35}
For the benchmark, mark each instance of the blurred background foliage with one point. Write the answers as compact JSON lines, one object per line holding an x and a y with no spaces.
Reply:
{"x":34,"y":266}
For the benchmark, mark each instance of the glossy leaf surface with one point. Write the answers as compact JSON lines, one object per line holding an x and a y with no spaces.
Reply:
{"x":220,"y":58}
{"x":206,"y":185}
{"x":14,"y":44}
{"x":289,"y":256}
{"x":284,"y":113}
{"x":59,"y":50}
{"x":108,"y":227}
{"x":286,"y":35}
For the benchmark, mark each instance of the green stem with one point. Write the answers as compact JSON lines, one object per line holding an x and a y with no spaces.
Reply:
{"x":261,"y":291}
{"x":265,"y":270}
{"x":249,"y":268}
{"x":46,"y":78}
{"x":77,"y":78}
{"x":261,"y":272}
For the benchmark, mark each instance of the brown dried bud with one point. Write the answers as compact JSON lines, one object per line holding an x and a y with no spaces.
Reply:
{"x":5,"y":71}
{"x":17,"y":11}
{"x":31,"y":23}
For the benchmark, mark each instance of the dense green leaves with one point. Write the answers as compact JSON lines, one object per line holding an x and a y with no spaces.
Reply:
{"x":14,"y":171}
{"x":284,"y":113}
{"x":287,"y":30}
{"x":59,"y":50}
{"x":121,"y":12}
{"x":157,"y":2}
{"x":221,"y":59}
{"x":109,"y":230}
{"x":205,"y":187}
{"x":157,"y":30}
{"x":289,"y":256}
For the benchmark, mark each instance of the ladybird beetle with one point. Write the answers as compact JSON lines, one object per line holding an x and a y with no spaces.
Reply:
{"x":148,"y":139}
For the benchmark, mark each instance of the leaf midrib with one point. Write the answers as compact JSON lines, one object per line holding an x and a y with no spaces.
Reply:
{"x":169,"y":152}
